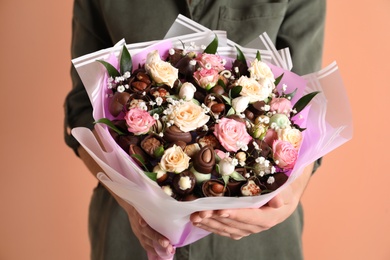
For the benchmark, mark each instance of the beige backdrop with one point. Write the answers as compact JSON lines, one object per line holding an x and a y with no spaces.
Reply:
{"x":45,"y":189}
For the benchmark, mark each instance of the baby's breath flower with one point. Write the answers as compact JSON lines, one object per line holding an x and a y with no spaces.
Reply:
{"x":159,"y":101}
{"x":120,"y":88}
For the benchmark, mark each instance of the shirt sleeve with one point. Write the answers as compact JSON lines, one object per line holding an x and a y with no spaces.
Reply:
{"x":89,"y":34}
{"x":302,"y":31}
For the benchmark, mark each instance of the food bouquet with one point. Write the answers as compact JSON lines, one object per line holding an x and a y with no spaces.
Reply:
{"x":195,"y":122}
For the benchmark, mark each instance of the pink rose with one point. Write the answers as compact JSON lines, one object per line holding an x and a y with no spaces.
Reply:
{"x":139,"y":121}
{"x":285,"y":154}
{"x":210,"y":61}
{"x":206,"y":78}
{"x":232,"y":134}
{"x":270,"y":136}
{"x":280,"y":105}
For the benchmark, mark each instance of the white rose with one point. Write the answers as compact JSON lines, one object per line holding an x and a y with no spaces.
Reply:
{"x":188,"y":116}
{"x":226,"y":166}
{"x":187,"y":91}
{"x":174,"y":160}
{"x":161,"y":71}
{"x":255,"y":90}
{"x":240,"y":104}
{"x":260,"y":70}
{"x":291,"y":135}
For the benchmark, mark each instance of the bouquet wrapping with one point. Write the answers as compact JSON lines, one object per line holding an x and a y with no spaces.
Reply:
{"x":327,"y":122}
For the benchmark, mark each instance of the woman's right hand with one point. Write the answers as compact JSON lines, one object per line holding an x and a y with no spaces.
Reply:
{"x":153,"y":242}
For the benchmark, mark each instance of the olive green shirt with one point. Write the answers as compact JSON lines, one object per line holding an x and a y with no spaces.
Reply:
{"x":99,"y":24}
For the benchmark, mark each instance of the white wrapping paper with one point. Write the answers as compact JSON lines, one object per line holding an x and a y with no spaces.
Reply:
{"x":329,"y":125}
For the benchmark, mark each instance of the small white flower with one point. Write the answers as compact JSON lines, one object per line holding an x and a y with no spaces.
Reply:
{"x":127,"y":75}
{"x":120,"y":88}
{"x":159,"y":101}
{"x":271,"y":180}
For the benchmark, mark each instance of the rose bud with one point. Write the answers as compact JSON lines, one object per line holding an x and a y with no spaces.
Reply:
{"x":187,"y":91}
{"x":240,"y":104}
{"x":226,"y":166}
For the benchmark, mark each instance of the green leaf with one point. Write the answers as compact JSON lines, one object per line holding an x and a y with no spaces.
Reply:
{"x":140,"y":159}
{"x":159,"y":151}
{"x":126,"y":63}
{"x":221,"y":83}
{"x":227,"y":99}
{"x":291,"y":95}
{"x":108,"y":122}
{"x":231,"y":112}
{"x":212,"y":47}
{"x":278,"y":79}
{"x":237,"y":177}
{"x":258,"y":56}
{"x":151,"y":175}
{"x":240,"y":55}
{"x":225,"y":179}
{"x":235,"y":91}
{"x":303,"y":101}
{"x":111,"y":70}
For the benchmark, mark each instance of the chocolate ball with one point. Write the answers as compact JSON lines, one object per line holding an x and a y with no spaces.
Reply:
{"x":214,"y":188}
{"x":118,"y":103}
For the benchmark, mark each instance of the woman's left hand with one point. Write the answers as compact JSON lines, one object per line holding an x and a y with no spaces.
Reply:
{"x":238,"y":223}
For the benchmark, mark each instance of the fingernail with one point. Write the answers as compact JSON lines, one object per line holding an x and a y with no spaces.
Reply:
{"x":197,"y":224}
{"x":224,"y":215}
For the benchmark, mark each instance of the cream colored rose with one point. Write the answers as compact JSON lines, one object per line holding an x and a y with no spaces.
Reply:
{"x":174,"y":160}
{"x":260,"y":70}
{"x":161,"y":71}
{"x":291,"y":135}
{"x":240,"y":104}
{"x":188,"y":116}
{"x":255,"y":90}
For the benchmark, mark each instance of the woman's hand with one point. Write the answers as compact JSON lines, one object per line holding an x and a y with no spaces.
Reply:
{"x":153,"y":242}
{"x":238,"y":223}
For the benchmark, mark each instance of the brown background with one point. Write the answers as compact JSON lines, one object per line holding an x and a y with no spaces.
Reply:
{"x":45,"y":189}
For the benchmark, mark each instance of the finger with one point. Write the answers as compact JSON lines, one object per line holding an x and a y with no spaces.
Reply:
{"x":200,"y":215}
{"x":253,"y":220}
{"x":222,"y":229}
{"x":228,"y":227}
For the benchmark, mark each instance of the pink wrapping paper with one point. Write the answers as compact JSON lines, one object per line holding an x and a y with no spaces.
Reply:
{"x":328,"y":121}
